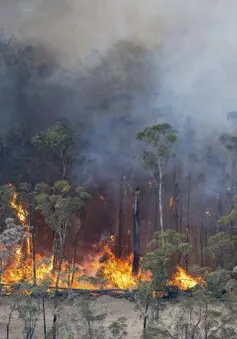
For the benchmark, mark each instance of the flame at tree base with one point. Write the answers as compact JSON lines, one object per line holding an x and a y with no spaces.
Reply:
{"x":184,"y":281}
{"x":93,"y":273}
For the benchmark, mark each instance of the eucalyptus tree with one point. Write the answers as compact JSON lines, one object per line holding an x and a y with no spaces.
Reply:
{"x":159,"y":141}
{"x":56,"y":149}
{"x":59,"y":205}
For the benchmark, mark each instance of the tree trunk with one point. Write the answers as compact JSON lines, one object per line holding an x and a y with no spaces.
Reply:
{"x":74,"y":257}
{"x":145,"y":319}
{"x":160,"y":201}
{"x":233,"y":193}
{"x":83,"y":220}
{"x":55,"y":251}
{"x":121,"y":219}
{"x":136,"y":232}
{"x":188,"y":221}
{"x":9,"y":321}
{"x":201,"y":237}
{"x":55,"y":316}
{"x":31,"y":222}
{"x":156,"y":209}
{"x":44,"y":318}
{"x":60,"y":261}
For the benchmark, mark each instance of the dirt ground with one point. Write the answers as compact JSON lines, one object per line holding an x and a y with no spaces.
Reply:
{"x":114,"y":308}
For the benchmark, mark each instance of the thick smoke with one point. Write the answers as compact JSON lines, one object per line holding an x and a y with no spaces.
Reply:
{"x":120,"y":65}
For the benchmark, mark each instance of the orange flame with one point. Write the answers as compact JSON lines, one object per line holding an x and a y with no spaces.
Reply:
{"x":101,"y":197}
{"x":183,"y":280}
{"x":113,"y":272}
{"x":171,"y":202}
{"x":101,"y":270}
{"x":22,"y":215}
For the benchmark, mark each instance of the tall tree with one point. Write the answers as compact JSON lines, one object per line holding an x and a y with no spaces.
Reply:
{"x":57,"y":147}
{"x":159,"y":142}
{"x":229,"y":141}
{"x":136,"y":231}
{"x":59,"y":204}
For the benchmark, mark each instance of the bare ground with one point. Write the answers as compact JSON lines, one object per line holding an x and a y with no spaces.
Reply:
{"x":114,"y":308}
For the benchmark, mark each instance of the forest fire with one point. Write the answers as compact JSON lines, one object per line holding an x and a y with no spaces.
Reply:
{"x":171,"y":202}
{"x":103,"y":270}
{"x":183,"y":280}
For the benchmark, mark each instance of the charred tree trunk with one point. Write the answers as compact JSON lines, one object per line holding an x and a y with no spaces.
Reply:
{"x":60,"y":261}
{"x":33,"y":243}
{"x":55,"y":251}
{"x":136,"y":231}
{"x":121,"y":219}
{"x":74,"y":259}
{"x":202,"y":237}
{"x":188,"y":219}
{"x":176,"y":203}
{"x":233,"y":192}
{"x":83,"y":221}
{"x":160,"y":200}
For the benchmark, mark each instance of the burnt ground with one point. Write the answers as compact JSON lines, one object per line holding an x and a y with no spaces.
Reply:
{"x":114,"y":308}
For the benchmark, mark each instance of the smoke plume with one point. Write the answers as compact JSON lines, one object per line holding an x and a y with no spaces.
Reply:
{"x":117,"y":66}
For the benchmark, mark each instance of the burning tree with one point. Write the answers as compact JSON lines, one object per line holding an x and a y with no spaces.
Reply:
{"x":167,"y":250}
{"x":163,"y":259}
{"x":59,"y":204}
{"x":160,"y":140}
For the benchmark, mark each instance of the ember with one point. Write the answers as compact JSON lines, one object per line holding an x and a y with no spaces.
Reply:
{"x":171,"y":202}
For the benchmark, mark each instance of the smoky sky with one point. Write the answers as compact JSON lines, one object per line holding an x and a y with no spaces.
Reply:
{"x":117,"y":66}
{"x":194,"y":42}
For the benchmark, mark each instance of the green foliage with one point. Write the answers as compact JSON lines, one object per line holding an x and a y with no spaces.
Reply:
{"x":6,"y":211}
{"x":217,"y":282}
{"x":81,"y":322}
{"x":222,"y":247}
{"x":118,"y":329}
{"x":168,"y":247}
{"x":42,"y":188}
{"x":62,"y":187}
{"x":199,"y":317}
{"x":231,"y":217}
{"x":27,"y":299}
{"x":161,"y":137}
{"x":87,"y":312}
{"x":155,"y":134}
{"x":57,"y":149}
{"x":59,"y":203}
{"x":59,"y":138}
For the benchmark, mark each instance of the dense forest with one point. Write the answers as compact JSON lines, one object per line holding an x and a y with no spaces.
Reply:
{"x":83,"y":128}
{"x":90,"y":158}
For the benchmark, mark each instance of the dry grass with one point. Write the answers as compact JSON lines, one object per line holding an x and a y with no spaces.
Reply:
{"x":114,"y":308}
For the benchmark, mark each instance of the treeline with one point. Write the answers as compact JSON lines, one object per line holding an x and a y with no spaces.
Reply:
{"x":47,"y":135}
